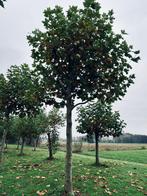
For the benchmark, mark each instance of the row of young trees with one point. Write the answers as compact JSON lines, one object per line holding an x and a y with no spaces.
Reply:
{"x":21,"y":107}
{"x":78,"y":56}
{"x":21,"y":130}
{"x":18,"y":95}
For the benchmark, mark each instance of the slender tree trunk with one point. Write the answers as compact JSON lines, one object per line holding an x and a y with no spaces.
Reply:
{"x":3,"y":145}
{"x":22,"y":146}
{"x":37,"y":141}
{"x":50,"y":146}
{"x":18,"y":143}
{"x":35,"y":144}
{"x":97,"y":161}
{"x":6,"y":144}
{"x":68,"y":165}
{"x":30,"y":141}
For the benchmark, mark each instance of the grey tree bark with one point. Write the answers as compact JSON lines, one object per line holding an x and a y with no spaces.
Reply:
{"x":22,"y":146}
{"x":18,"y":143}
{"x":35,"y":144}
{"x":97,"y":161}
{"x":50,"y":146}
{"x":6,"y":144}
{"x":68,"y":166}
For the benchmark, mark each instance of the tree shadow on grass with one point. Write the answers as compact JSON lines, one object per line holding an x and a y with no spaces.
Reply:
{"x":100,"y":165}
{"x":22,"y":155}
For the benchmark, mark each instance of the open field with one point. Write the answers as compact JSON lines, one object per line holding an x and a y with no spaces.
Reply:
{"x":34,"y":175}
{"x":109,"y":146}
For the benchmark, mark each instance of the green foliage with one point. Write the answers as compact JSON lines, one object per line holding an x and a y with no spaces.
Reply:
{"x":99,"y":118}
{"x":131,"y":138}
{"x":29,"y":127}
{"x":55,"y":121}
{"x":6,"y":108}
{"x":22,"y":127}
{"x":78,"y":55}
{"x":6,"y":100}
{"x":8,"y":126}
{"x":40,"y":124}
{"x":25,"y":90}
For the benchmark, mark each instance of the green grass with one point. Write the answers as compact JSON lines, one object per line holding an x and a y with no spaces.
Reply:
{"x":138,"y":156}
{"x":32,"y":173}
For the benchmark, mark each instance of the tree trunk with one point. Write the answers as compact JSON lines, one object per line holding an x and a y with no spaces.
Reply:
{"x":6,"y":144}
{"x":37,"y":141}
{"x":18,"y":143}
{"x":50,"y":150}
{"x":3,"y":145}
{"x":35,"y":144}
{"x":68,"y":165}
{"x":22,"y":146}
{"x":97,"y":161}
{"x":29,"y":141}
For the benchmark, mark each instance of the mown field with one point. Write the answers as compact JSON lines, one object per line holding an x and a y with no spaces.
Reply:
{"x":138,"y":156}
{"x":34,"y":175}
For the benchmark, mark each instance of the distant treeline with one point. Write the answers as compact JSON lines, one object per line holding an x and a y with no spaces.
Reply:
{"x":130,"y":138}
{"x":125,"y":138}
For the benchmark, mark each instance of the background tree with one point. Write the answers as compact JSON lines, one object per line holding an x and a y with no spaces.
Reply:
{"x":24,"y":86}
{"x":130,"y":138}
{"x":78,"y":55}
{"x":7,"y":125}
{"x":7,"y":105}
{"x":99,"y":119}
{"x":25,"y":90}
{"x":23,"y":127}
{"x":55,"y":121}
{"x":2,"y":135}
{"x":40,"y":125}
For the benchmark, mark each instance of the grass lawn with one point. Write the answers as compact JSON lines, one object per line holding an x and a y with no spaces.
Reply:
{"x":34,"y":175}
{"x":138,"y":156}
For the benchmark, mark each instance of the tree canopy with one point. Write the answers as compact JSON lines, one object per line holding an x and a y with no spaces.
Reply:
{"x":78,"y":55}
{"x":6,"y":109}
{"x":99,"y":119}
{"x":7,"y":103}
{"x":25,"y":90}
{"x":55,"y":121}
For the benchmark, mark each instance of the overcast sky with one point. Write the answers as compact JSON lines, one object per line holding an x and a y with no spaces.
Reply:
{"x":20,"y":17}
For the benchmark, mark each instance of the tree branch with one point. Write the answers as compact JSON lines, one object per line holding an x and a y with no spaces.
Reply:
{"x":81,"y":103}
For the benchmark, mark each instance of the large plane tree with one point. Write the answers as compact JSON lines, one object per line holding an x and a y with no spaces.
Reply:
{"x":98,"y":119}
{"x":79,"y":57}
